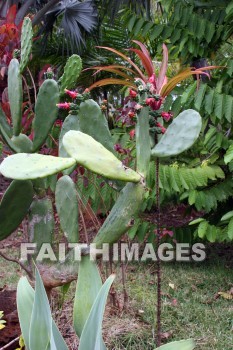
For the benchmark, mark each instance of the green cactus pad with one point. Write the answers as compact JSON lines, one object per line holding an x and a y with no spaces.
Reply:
{"x":6,"y":131}
{"x":23,"y":166}
{"x":70,"y":123}
{"x":45,"y":112}
{"x":122,"y":215}
{"x":180,"y":135}
{"x":26,"y":43}
{"x":93,"y":156}
{"x":41,"y":222}
{"x":15,"y":93}
{"x":94,"y":123}
{"x":22,"y":143}
{"x":71,"y":73}
{"x":14,"y":206}
{"x":66,"y":198}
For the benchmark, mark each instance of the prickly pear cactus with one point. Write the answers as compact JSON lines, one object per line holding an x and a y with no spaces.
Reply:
{"x":14,"y":206}
{"x":15,"y":93}
{"x":45,"y":112}
{"x":93,"y":122}
{"x":22,"y":143}
{"x":41,"y":222}
{"x":71,"y":73}
{"x":26,"y":43}
{"x":180,"y":135}
{"x":66,"y":198}
{"x":95,"y":157}
{"x":23,"y":166}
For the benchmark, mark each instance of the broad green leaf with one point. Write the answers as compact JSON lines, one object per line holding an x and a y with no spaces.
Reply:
{"x":178,"y":345}
{"x":227,"y":216}
{"x":91,"y":337}
{"x":88,"y":286}
{"x":41,"y":320}
{"x":95,"y":157}
{"x":24,"y":166}
{"x":200,"y":96}
{"x":25,"y":300}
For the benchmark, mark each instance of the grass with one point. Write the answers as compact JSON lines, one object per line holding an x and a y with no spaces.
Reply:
{"x":190,"y":310}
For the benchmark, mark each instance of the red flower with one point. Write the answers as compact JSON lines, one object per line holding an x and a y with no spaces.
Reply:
{"x":132,"y":93}
{"x":72,"y":94}
{"x":153,"y":103}
{"x":131,"y":114}
{"x":166,"y":116}
{"x":64,"y":105}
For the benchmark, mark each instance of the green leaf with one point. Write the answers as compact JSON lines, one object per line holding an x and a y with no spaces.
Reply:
{"x":178,"y":345}
{"x":228,"y":107}
{"x":24,"y":166}
{"x":25,"y":300}
{"x":202,"y":228}
{"x":95,"y":157}
{"x":200,"y":96}
{"x":218,"y":105}
{"x":41,"y":320}
{"x":91,"y":337}
{"x":230,"y":229}
{"x":88,"y":286}
{"x":197,"y":221}
{"x":229,"y":155}
{"x":227,"y":216}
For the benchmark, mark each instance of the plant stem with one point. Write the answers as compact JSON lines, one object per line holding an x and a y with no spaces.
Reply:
{"x":158,"y":239}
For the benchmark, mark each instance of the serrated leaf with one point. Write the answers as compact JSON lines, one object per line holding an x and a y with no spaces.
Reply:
{"x":200,"y":96}
{"x":229,"y":155}
{"x":202,"y":228}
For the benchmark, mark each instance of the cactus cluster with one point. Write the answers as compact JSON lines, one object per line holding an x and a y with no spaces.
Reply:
{"x":85,"y":140}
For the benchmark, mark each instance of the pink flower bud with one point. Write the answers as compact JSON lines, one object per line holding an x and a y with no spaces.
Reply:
{"x":132,"y":134}
{"x":166,"y":116}
{"x":64,"y":105}
{"x":132,"y":93}
{"x":72,"y":94}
